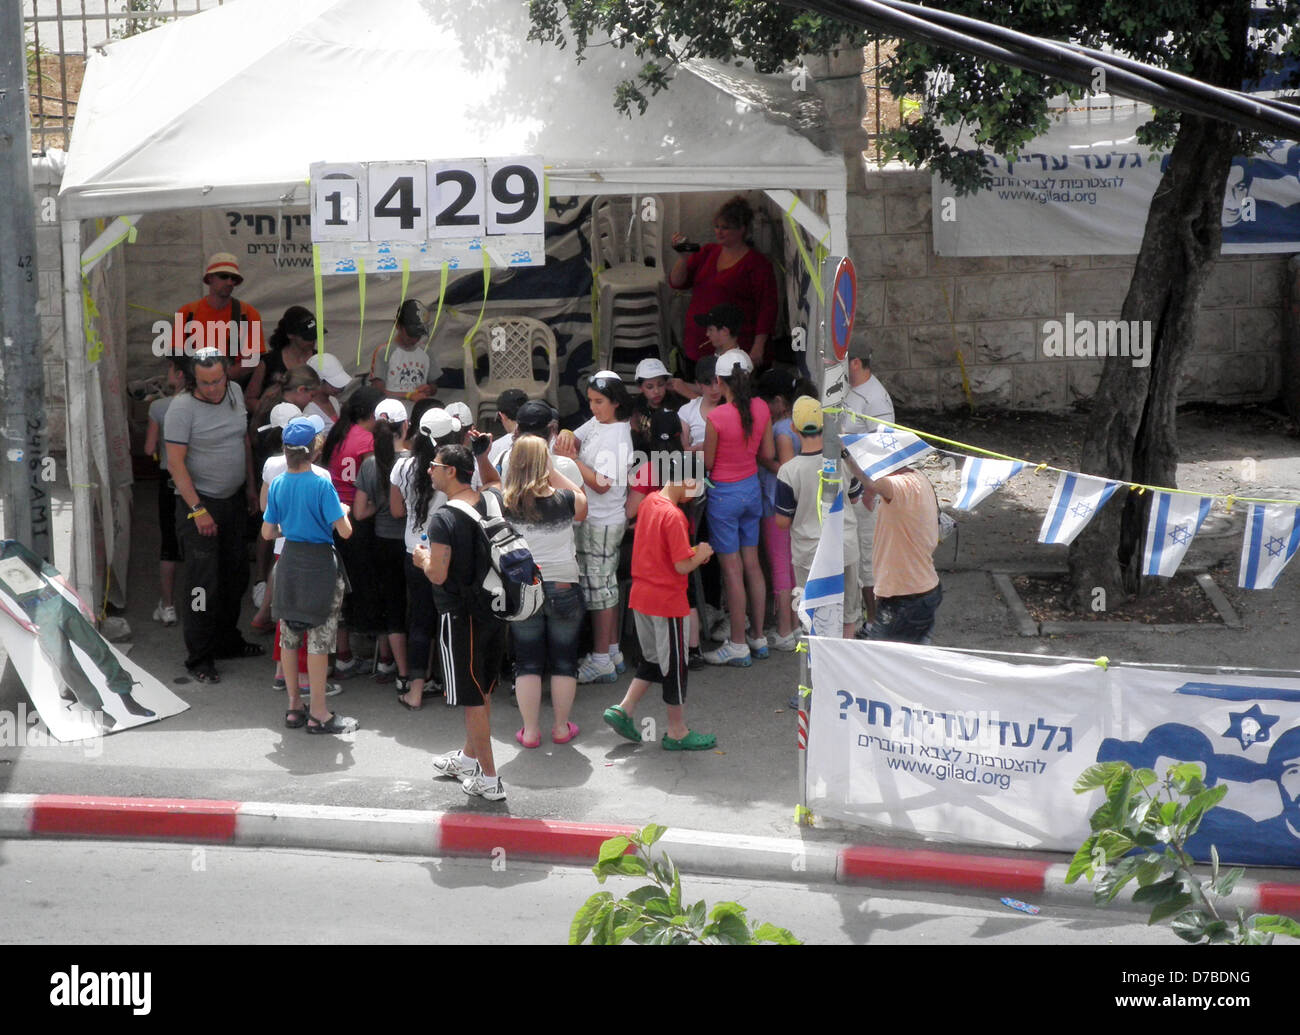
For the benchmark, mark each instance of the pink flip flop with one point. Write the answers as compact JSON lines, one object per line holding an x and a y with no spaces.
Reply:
{"x":519,"y":736}
{"x":572,"y":732}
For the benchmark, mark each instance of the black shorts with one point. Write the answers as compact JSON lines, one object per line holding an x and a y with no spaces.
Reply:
{"x":471,"y":650}
{"x":169,"y":543}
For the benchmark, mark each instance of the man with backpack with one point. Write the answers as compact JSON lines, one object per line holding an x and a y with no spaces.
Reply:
{"x":471,"y":632}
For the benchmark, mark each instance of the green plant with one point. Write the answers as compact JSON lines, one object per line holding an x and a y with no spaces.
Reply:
{"x":1140,"y":833}
{"x":654,"y":914}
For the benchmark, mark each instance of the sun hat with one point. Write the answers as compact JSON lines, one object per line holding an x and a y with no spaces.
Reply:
{"x":223,"y":262}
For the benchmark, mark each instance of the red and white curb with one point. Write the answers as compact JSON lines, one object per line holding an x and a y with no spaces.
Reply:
{"x":412,"y":832}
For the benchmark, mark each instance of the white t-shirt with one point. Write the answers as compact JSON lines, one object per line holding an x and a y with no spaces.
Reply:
{"x":499,"y":448}
{"x":402,"y":476}
{"x":869,"y":398}
{"x":691,"y":416}
{"x":562,"y":464}
{"x":274,"y":467}
{"x":406,"y":370}
{"x":330,"y":416}
{"x":607,"y":450}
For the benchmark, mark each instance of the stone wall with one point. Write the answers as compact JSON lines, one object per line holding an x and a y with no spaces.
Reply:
{"x":919,"y":310}
{"x":45,"y":185}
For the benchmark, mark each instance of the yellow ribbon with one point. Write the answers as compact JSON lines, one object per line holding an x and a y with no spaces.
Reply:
{"x":89,"y":314}
{"x":442,"y":294}
{"x":487,"y":280}
{"x":814,"y":272}
{"x":320,"y":297}
{"x":361,"y":303}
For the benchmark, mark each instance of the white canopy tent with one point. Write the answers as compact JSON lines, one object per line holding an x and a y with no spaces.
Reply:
{"x":231,"y":107}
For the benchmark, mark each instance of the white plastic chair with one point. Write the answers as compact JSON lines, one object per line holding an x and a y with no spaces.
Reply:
{"x":510,"y":344}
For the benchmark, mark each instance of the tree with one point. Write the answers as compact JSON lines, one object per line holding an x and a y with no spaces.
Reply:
{"x":1131,"y":435}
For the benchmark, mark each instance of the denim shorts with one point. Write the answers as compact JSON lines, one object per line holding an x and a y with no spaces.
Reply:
{"x":908,"y":619}
{"x":548,"y":642}
{"x":735,"y":509}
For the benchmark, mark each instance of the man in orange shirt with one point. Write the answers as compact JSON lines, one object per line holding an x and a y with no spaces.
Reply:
{"x":219,"y":320}
{"x":908,"y":591}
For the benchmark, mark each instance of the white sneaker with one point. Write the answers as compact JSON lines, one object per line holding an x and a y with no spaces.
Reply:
{"x":757,"y":646}
{"x":489,"y":787}
{"x":166,"y":615}
{"x":620,"y":665}
{"x":259,"y":594}
{"x":354,"y":666}
{"x":590,"y":671}
{"x":720,"y":626}
{"x":735,"y":654}
{"x":456,"y":765}
{"x":785,"y":643}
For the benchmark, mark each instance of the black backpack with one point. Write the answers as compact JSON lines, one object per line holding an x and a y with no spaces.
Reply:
{"x":509,"y":581}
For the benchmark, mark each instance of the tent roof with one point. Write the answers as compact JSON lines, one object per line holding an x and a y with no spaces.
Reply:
{"x":230,"y":107}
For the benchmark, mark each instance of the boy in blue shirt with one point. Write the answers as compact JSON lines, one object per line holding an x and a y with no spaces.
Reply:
{"x":310,"y":581}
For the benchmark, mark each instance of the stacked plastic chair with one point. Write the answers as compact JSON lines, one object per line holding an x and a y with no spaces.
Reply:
{"x":631,"y":282}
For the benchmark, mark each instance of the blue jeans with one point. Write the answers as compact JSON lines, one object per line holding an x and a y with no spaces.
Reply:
{"x":549,"y":640}
{"x":908,"y":619}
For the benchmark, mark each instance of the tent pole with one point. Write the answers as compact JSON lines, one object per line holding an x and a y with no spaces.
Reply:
{"x":82,"y":575}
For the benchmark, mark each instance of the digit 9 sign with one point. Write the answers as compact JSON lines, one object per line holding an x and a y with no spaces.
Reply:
{"x":418,"y":201}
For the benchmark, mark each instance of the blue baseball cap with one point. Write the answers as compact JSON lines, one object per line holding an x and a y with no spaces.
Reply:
{"x":302,"y":431}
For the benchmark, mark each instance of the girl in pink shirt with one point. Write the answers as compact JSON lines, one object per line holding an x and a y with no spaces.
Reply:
{"x":737,"y":434}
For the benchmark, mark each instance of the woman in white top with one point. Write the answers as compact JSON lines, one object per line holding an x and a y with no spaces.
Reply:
{"x":542,"y":505}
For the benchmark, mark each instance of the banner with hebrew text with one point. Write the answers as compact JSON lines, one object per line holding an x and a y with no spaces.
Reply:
{"x":970,"y":749}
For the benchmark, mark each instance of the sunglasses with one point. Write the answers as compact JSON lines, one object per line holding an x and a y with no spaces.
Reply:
{"x":226,"y":276}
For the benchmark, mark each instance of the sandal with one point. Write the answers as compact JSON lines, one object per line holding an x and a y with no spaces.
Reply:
{"x":621,"y":723}
{"x":295,"y":718}
{"x":408,"y":705}
{"x":205,"y":673}
{"x":691,"y":742}
{"x":572,"y":731}
{"x":334,"y":724}
{"x":519,"y":736}
{"x":263,"y":629}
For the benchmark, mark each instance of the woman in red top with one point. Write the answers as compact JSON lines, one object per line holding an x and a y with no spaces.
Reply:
{"x":350,"y":441}
{"x":728,"y":271}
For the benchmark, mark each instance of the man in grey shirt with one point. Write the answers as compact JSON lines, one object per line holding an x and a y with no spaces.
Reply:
{"x":211,"y":462}
{"x":866,"y":398}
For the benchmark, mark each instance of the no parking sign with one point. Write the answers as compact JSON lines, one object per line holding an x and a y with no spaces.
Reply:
{"x":844,"y":305}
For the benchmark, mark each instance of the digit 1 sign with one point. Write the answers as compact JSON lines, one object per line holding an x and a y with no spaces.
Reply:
{"x":514,"y":201}
{"x":398,"y":206}
{"x":338,"y":202}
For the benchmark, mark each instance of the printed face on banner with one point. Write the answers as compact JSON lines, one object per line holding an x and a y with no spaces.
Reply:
{"x":398,"y":201}
{"x":338,"y":200}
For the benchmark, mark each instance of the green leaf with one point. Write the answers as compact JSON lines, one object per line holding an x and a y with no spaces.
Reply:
{"x":1203,"y":802}
{"x":1109,"y":883}
{"x":651,"y":833}
{"x":1167,"y":909}
{"x":1144,"y":778}
{"x":776,"y":935}
{"x":586,"y":915}
{"x":1168,"y":812}
{"x":696,"y":915}
{"x":1224,"y":884}
{"x":1190,"y":926}
{"x":1182,"y":773}
{"x":1149,"y":870}
{"x":675,"y":896}
{"x":1097,"y":776}
{"x":1214,"y":862}
{"x":1162,"y":891}
{"x":1217,"y":932}
{"x":728,"y":929}
{"x":625,"y":931}
{"x":629,"y":866}
{"x":723,"y":909}
{"x":612,"y":849}
{"x":1082,"y":861}
{"x":1274,"y":924}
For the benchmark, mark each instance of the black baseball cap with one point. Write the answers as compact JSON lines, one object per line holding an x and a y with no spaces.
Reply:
{"x":410,"y":317}
{"x":300,"y":321}
{"x":535,"y":416}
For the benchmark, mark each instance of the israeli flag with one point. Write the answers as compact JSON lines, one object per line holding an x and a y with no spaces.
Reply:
{"x":885,"y":450}
{"x":821,"y":608}
{"x":1272,"y":538}
{"x":1175,"y":518}
{"x":1077,"y":499}
{"x":980,"y":478}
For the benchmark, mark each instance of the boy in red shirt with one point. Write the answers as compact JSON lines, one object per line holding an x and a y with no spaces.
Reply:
{"x":662,"y":558}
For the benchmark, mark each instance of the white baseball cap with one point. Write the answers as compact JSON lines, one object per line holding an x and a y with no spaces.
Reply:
{"x":734,"y":359}
{"x":281,"y":414}
{"x":437,"y":423}
{"x":330,"y":369}
{"x":390,"y":410}
{"x":649,"y":368}
{"x":461,"y":412}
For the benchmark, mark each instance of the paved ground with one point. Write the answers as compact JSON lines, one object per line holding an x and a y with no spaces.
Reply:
{"x":231,"y":745}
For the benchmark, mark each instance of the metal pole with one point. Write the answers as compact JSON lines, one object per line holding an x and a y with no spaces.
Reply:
{"x":27,"y":504}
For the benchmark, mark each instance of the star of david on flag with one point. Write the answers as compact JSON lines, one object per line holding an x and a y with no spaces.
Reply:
{"x":980,"y":478}
{"x":885,"y":450}
{"x":1175,"y":518}
{"x":1272,"y":538}
{"x":822,"y":606}
{"x":1076,"y":499}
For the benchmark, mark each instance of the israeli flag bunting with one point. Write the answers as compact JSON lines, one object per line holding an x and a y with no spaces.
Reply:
{"x":1272,"y":538}
{"x":1077,"y":499}
{"x":980,"y":478}
{"x":885,"y":450}
{"x":1175,"y":518}
{"x":822,"y":605}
